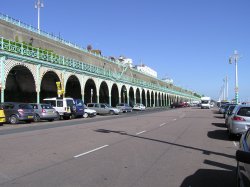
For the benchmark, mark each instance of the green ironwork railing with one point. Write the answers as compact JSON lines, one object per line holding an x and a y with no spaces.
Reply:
{"x":55,"y":59}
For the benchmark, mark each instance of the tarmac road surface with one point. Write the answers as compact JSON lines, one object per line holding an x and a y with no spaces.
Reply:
{"x":179,"y":147}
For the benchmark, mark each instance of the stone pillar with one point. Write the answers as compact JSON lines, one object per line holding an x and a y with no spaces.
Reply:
{"x":2,"y":63}
{"x":38,"y":83}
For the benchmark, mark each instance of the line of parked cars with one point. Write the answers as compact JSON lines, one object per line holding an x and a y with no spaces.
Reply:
{"x":237,"y":121}
{"x":58,"y":108}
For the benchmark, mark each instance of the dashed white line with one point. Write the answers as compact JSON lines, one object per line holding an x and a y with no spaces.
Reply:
{"x":96,"y":149}
{"x":174,"y":119}
{"x":162,"y":124}
{"x":140,"y":132}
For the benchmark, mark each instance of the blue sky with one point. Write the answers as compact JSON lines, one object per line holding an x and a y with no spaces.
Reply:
{"x":189,"y":41}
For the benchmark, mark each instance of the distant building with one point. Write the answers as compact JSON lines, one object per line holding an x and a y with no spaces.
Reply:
{"x":168,"y":80}
{"x":147,"y":70}
{"x":125,"y":61}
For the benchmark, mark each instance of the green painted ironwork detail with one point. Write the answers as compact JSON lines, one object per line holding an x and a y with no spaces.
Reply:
{"x":55,"y":60}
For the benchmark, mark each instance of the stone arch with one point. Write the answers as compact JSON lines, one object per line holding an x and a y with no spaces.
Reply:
{"x":114,"y":95}
{"x":131,"y":96}
{"x":104,"y":92}
{"x":90,"y":91}
{"x":73,"y":87}
{"x":20,"y":85}
{"x":48,"y":86}
{"x":124,"y":95}
{"x":10,"y":64}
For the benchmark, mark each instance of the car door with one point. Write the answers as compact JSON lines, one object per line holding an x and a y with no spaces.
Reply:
{"x":104,"y":109}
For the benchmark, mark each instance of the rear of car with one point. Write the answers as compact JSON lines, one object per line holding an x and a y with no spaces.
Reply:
{"x":62,"y":106}
{"x":2,"y":115}
{"x":239,"y":121}
{"x":44,"y":112}
{"x":79,"y":108}
{"x":16,"y":112}
{"x":88,"y":112}
{"x":123,"y":107}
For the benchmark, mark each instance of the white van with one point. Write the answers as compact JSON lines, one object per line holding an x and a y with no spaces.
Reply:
{"x":63,"y":106}
{"x":205,"y":102}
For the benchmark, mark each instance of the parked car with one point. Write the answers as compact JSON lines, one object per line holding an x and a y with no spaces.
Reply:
{"x":139,"y":107}
{"x":102,"y":108}
{"x":65,"y":107}
{"x":44,"y":111}
{"x":124,"y":107}
{"x":88,"y":112}
{"x":16,"y":112}
{"x":239,"y":120}
{"x":177,"y":105}
{"x":228,"y":113}
{"x":243,"y":160}
{"x":226,"y":108}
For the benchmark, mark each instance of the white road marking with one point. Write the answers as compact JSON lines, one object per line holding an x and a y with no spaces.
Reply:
{"x":236,"y":145}
{"x":174,"y":119}
{"x":140,"y":132}
{"x":82,"y":154}
{"x":162,"y":124}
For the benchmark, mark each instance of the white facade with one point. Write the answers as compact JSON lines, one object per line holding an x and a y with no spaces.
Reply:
{"x":146,"y":70}
{"x":168,"y":80}
{"x":125,"y":60}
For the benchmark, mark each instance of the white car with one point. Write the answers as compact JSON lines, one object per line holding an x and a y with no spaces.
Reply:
{"x":139,"y":107}
{"x":88,"y":112}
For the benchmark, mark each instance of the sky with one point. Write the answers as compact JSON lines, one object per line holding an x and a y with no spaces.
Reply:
{"x":189,"y":41}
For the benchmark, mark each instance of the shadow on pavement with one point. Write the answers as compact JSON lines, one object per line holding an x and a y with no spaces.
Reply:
{"x":204,"y":151}
{"x":221,"y":135}
{"x":222,"y":125}
{"x":210,"y":178}
{"x":218,"y":134}
{"x":219,"y":117}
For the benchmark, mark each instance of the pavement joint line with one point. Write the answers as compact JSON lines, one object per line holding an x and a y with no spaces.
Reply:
{"x":85,"y":153}
{"x":140,"y":132}
{"x":162,"y":124}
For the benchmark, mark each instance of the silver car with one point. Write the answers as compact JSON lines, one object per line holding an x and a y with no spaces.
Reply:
{"x":44,"y":112}
{"x":239,"y":120}
{"x":102,"y":108}
{"x":124,"y":107}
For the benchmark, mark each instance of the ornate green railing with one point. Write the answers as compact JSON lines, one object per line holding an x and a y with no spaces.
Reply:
{"x":64,"y":62}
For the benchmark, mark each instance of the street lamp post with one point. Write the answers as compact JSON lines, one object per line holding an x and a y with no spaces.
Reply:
{"x":38,"y":5}
{"x":235,"y":59}
{"x":91,"y":95}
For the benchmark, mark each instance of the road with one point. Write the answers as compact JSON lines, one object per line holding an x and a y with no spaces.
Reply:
{"x":179,"y":147}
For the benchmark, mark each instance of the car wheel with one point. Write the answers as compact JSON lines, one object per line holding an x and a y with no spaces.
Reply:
{"x":57,"y":116}
{"x":230,"y":135}
{"x":36,"y":118}
{"x":85,"y":115}
{"x":14,"y":119}
{"x":111,"y":112}
{"x":73,"y":116}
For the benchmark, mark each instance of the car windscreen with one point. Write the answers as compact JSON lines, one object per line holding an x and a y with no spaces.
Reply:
{"x":79,"y":103}
{"x":204,"y":102}
{"x":244,"y":111}
{"x":25,"y":106}
{"x":70,"y":102}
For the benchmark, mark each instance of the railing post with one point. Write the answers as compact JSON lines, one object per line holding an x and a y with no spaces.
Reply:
{"x":1,"y":43}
